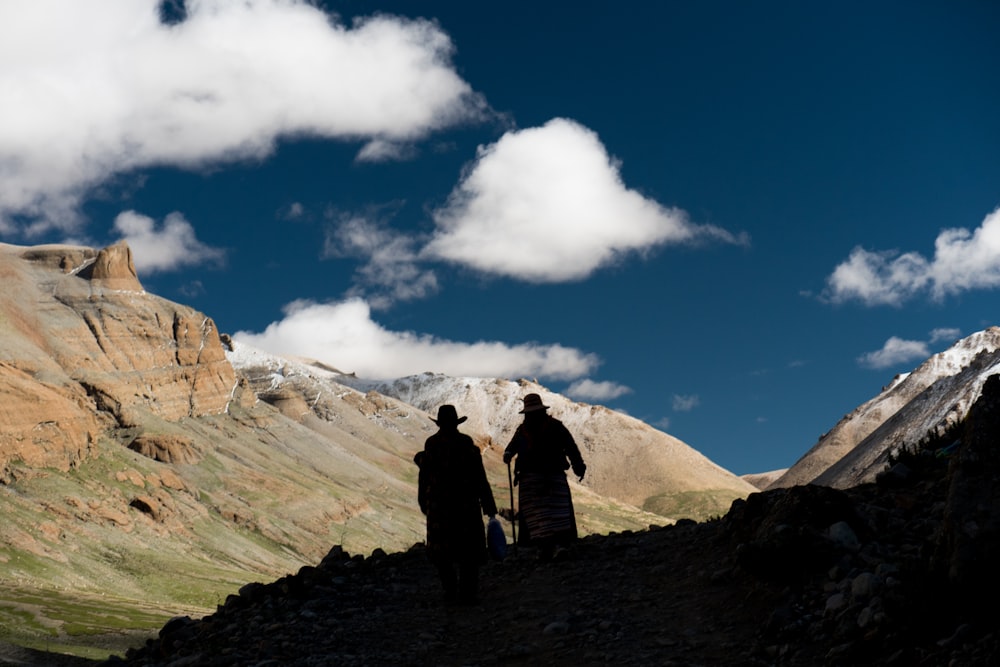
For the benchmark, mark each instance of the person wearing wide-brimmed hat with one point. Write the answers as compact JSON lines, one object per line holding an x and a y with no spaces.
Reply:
{"x":544,"y":449}
{"x":454,"y":494}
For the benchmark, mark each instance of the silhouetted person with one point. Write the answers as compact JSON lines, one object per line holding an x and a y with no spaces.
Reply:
{"x":545,"y":449}
{"x":454,"y":495}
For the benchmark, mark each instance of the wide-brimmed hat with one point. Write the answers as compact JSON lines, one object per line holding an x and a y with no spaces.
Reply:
{"x":448,"y":416}
{"x":533,"y":403}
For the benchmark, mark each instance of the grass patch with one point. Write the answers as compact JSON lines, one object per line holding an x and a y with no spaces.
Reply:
{"x":698,"y":505}
{"x":86,"y":625}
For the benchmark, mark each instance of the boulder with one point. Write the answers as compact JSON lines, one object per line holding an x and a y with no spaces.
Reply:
{"x":166,"y":448}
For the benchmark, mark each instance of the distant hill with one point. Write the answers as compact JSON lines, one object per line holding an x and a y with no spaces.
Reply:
{"x":762,"y":480}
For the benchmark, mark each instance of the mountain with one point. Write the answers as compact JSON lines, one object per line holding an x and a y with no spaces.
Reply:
{"x":927,"y":403}
{"x":150,"y":466}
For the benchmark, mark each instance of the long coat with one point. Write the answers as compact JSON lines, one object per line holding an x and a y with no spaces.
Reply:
{"x":454,"y":494}
{"x":545,"y":449}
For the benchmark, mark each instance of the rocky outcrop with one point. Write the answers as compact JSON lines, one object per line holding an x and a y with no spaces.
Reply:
{"x":114,"y":269}
{"x":166,"y":448}
{"x":86,"y":349}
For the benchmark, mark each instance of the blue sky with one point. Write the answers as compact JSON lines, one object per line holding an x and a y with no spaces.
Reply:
{"x":734,"y":221}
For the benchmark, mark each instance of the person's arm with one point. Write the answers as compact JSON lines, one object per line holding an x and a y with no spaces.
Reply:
{"x":572,"y":452}
{"x":486,"y":500}
{"x":514,"y":447}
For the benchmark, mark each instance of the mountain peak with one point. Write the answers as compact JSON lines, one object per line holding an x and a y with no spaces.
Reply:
{"x":114,"y":268}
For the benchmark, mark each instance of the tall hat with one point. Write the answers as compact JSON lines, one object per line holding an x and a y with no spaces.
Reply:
{"x":448,"y":416}
{"x":533,"y":403}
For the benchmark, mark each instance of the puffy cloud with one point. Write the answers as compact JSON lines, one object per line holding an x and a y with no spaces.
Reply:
{"x":344,"y":336}
{"x":88,"y":94}
{"x":681,"y":403}
{"x":165,"y":248}
{"x":878,"y":278}
{"x":963,"y":260}
{"x":548,"y":204}
{"x":895,"y":351}
{"x":589,"y":390}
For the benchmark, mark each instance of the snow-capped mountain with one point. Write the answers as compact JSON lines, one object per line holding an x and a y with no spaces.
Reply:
{"x":927,"y":402}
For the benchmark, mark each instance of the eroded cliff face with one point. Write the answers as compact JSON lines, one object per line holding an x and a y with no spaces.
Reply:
{"x":83,"y":348}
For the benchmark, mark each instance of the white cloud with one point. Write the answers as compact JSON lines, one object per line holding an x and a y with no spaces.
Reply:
{"x":170,"y":246}
{"x":392,"y":272}
{"x":294,"y":211}
{"x":878,"y":278}
{"x":91,"y":93}
{"x":589,"y":390}
{"x":963,"y":260}
{"x":945,"y":334}
{"x":548,"y":204}
{"x":344,"y":336}
{"x":895,"y":351}
{"x":681,"y":403}
{"x":381,"y":150}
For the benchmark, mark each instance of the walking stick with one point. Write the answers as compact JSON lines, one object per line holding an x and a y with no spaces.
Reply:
{"x":513,"y":515}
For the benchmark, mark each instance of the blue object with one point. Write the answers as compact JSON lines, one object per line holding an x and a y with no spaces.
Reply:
{"x":496,"y":539}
